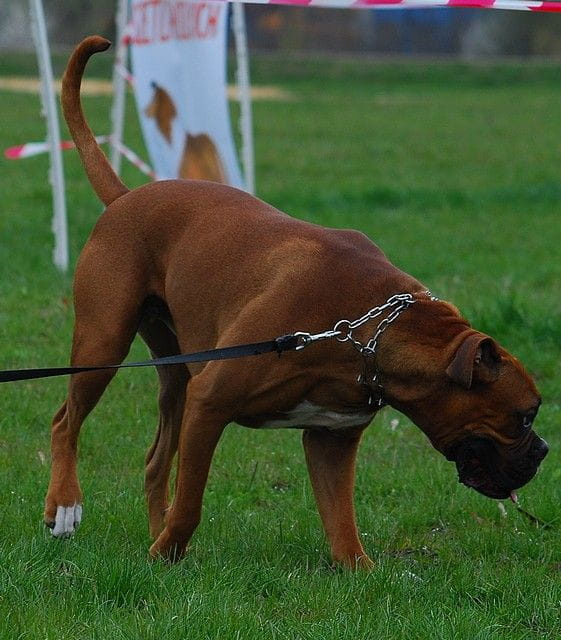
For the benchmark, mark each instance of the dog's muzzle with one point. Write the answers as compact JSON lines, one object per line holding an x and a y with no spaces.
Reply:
{"x":483,"y":467}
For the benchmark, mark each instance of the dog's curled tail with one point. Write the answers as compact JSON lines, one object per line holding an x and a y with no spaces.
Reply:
{"x":103,"y":179}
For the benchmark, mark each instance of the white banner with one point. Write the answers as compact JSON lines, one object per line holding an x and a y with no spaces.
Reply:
{"x":178,"y":56}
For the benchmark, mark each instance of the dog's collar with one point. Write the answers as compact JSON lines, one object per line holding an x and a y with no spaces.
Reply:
{"x":370,"y":376}
{"x":342,"y":331}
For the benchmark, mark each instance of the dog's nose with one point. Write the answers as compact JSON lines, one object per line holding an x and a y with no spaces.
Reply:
{"x":539,"y":449}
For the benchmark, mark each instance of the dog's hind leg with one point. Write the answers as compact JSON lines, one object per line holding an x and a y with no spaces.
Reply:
{"x":331,"y":464}
{"x":173,"y":382}
{"x":63,"y":504}
{"x":201,"y":428}
{"x":107,"y":317}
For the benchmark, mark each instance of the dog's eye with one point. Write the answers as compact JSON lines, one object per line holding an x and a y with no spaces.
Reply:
{"x":527,"y":418}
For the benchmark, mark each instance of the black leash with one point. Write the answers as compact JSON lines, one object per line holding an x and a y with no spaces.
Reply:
{"x":394,"y":305}
{"x":284,"y":343}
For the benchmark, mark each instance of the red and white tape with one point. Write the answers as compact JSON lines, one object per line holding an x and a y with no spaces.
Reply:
{"x":34,"y":148}
{"x":134,"y":159}
{"x":125,"y":73}
{"x":512,"y":5}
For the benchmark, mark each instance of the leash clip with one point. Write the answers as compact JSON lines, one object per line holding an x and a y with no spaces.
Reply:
{"x":289,"y":342}
{"x":305,"y":339}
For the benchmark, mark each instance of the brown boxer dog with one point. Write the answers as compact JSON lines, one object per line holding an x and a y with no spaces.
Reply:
{"x":191,"y":265}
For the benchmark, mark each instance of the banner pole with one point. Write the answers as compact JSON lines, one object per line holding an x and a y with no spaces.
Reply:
{"x":244,"y":95}
{"x":119,"y":85}
{"x":56,"y":171}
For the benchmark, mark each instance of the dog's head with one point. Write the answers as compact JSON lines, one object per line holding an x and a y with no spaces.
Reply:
{"x":473,"y":399}
{"x":500,"y":451}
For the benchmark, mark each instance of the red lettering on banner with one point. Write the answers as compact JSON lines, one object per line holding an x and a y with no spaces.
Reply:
{"x":163,"y":20}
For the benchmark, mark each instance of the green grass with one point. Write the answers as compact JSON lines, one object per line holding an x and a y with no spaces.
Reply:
{"x":454,"y":171}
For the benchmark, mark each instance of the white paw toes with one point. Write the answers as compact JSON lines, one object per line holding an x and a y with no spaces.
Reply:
{"x":67,"y":520}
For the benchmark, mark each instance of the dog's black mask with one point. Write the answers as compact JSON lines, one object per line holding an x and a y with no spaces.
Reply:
{"x":482,"y":467}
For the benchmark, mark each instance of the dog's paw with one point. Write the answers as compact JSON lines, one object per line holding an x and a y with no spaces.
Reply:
{"x":67,"y":520}
{"x":355,"y":562}
{"x":167,"y":548}
{"x":364,"y":563}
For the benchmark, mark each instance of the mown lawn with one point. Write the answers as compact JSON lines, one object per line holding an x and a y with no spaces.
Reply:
{"x":455,"y":171}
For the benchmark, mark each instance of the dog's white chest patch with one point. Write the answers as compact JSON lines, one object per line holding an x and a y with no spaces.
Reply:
{"x":307,"y":414}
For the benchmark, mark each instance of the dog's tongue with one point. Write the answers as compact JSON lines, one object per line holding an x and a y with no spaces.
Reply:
{"x":514,"y":497}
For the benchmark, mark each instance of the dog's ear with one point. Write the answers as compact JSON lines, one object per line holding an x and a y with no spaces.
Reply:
{"x":476,"y":360}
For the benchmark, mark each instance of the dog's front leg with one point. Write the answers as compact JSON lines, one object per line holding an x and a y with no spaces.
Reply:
{"x":201,"y":429}
{"x":331,"y":464}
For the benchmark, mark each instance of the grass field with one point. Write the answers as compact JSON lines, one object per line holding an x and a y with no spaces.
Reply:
{"x":455,"y":171}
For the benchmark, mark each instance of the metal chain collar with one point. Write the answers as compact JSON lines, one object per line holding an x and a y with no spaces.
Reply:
{"x":343,"y":332}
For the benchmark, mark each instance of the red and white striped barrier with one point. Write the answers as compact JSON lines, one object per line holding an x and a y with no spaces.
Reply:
{"x":34,"y":148}
{"x":512,"y":5}
{"x":124,"y":73}
{"x":134,"y":159}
